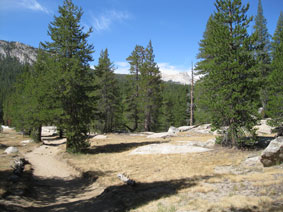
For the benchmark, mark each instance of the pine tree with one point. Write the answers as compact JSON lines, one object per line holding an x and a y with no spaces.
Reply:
{"x":262,"y":53}
{"x":204,"y":47}
{"x":72,"y":54}
{"x":133,"y":109}
{"x":150,"y":89}
{"x":109,"y":101}
{"x":277,"y":34}
{"x":229,"y":72}
{"x":275,"y":104}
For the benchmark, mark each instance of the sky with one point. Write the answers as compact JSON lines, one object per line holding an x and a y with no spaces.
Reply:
{"x":175,"y":27}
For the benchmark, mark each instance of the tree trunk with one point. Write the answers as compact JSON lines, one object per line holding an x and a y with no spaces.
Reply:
{"x":192,"y":99}
{"x":39,"y":133}
{"x":61,"y":133}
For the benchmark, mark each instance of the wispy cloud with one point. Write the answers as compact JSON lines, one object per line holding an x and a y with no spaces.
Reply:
{"x":25,"y":4}
{"x":166,"y":68}
{"x":122,"y":67}
{"x":106,"y":19}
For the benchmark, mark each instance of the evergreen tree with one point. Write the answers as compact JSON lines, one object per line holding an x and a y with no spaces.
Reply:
{"x":150,"y":90}
{"x":262,"y":53}
{"x":109,"y":101}
{"x":72,"y":54}
{"x":229,"y":72}
{"x":275,"y":104}
{"x":133,"y":109}
{"x":10,"y":69}
{"x":277,"y":34}
{"x":204,"y":54}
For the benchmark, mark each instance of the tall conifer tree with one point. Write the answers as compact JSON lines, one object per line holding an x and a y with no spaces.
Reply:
{"x":108,"y":104}
{"x":262,"y":53}
{"x":133,"y":109}
{"x":229,"y":71}
{"x":72,"y":52}
{"x":150,"y":90}
{"x":275,"y":104}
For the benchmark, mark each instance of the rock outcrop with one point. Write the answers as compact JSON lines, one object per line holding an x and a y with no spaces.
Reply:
{"x":173,"y":130}
{"x":263,"y":127}
{"x":11,"y":150}
{"x":273,"y":154}
{"x":23,"y":53}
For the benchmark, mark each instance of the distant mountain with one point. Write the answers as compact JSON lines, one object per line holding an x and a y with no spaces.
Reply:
{"x":22,"y":52}
{"x":27,"y":54}
{"x":181,"y":77}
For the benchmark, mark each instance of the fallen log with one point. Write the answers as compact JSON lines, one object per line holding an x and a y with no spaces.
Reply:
{"x":126,"y":180}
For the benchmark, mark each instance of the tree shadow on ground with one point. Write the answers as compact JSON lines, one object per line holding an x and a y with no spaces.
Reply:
{"x":59,"y":144}
{"x":44,"y":191}
{"x":124,"y":197}
{"x":3,"y":146}
{"x":116,"y":148}
{"x":48,"y":190}
{"x":261,"y":143}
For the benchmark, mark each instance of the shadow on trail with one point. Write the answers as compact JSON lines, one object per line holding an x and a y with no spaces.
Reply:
{"x":50,"y":144}
{"x":123,"y":197}
{"x":48,"y":190}
{"x":3,"y":146}
{"x":116,"y":148}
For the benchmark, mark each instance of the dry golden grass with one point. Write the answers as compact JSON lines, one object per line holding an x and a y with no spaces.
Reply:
{"x":111,"y":156}
{"x":10,"y":138}
{"x":173,"y":182}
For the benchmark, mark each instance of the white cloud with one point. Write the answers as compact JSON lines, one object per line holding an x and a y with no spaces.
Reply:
{"x":122,"y":68}
{"x":104,"y":21}
{"x":26,"y":4}
{"x":166,"y":68}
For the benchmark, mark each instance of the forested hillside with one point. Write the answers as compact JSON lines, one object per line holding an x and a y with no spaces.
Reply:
{"x":240,"y":73}
{"x":16,"y":64}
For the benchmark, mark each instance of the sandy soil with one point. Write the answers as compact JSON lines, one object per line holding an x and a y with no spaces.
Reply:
{"x":218,"y":180}
{"x":46,"y":164}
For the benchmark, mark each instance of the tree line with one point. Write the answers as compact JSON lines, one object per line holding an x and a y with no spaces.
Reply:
{"x":240,"y":72}
{"x":61,"y":89}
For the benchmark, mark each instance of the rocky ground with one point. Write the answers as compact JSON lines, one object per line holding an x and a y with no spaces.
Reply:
{"x":171,"y":174}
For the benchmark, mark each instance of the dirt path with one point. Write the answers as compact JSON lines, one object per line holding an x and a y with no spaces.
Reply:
{"x":46,"y":164}
{"x":55,"y":183}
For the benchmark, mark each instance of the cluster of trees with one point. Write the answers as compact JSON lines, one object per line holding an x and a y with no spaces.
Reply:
{"x":61,"y":89}
{"x":7,"y":78}
{"x":241,"y":72}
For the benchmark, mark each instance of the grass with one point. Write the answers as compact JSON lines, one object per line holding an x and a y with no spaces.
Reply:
{"x":10,"y":138}
{"x":201,"y":196}
{"x":175,"y":182}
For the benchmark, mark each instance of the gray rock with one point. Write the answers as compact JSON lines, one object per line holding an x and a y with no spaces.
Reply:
{"x":161,"y":135}
{"x":173,"y":130}
{"x":263,"y":127}
{"x":100,"y":137}
{"x":185,"y":128}
{"x":273,"y":154}
{"x":251,"y":161}
{"x":11,"y":149}
{"x":26,"y":142}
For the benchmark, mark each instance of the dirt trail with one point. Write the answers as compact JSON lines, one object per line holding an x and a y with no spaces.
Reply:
{"x":55,"y":181}
{"x":46,"y":164}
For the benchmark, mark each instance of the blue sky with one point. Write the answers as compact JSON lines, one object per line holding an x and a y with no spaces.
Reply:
{"x":174,"y":26}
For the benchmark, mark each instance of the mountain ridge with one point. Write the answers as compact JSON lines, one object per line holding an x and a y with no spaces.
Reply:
{"x":22,"y":52}
{"x":27,"y":54}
